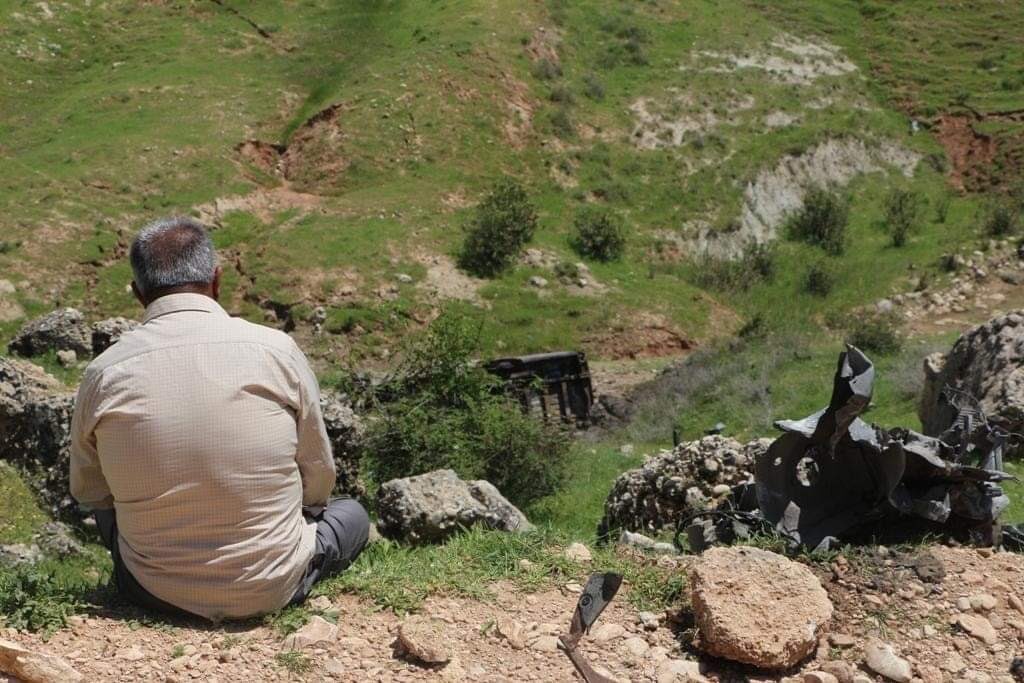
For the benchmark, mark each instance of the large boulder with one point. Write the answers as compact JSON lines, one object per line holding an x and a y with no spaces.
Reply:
{"x":757,"y":607}
{"x":345,"y":430}
{"x":432,"y":506}
{"x":986,"y":362}
{"x":106,"y":333}
{"x":62,"y":330}
{"x":693,"y":476}
{"x":35,"y":429}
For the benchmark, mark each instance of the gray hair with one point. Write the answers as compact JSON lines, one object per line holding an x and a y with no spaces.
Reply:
{"x":172,"y":252}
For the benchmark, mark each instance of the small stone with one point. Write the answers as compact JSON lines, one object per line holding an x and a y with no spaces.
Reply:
{"x":577,"y":552}
{"x":929,"y":631}
{"x":983,"y":602}
{"x":608,"y":632}
{"x":979,"y":627}
{"x":335,"y":667}
{"x":317,"y":630}
{"x":574,"y":587}
{"x":861,"y":678}
{"x":963,"y":604}
{"x":36,"y":667}
{"x":512,"y":631}
{"x":538,"y":282}
{"x":678,"y":671}
{"x":67,"y":358}
{"x":929,"y":674}
{"x":426,"y":639}
{"x":1015,"y":602}
{"x":882,"y":659}
{"x":133,"y":653}
{"x":636,"y":646}
{"x":526,"y":565}
{"x":843,"y":671}
{"x":321,"y":603}
{"x":626,"y":449}
{"x":649,"y":620}
{"x":721,"y":490}
{"x":953,"y":663}
{"x":545,"y":644}
{"x":404,"y":278}
{"x":819,"y":677}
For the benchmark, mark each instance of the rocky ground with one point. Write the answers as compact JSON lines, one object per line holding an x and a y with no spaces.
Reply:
{"x":932,"y":614}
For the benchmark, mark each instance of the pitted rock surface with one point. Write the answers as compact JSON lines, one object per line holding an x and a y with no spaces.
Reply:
{"x":345,"y":430}
{"x":678,"y":482}
{"x":987,"y":362}
{"x":35,"y":429}
{"x":430,"y":507}
{"x":62,"y":330}
{"x":106,"y":333}
{"x":757,"y":607}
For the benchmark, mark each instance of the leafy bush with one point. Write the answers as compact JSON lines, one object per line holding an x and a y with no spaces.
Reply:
{"x":1003,"y":219}
{"x":33,"y":599}
{"x":598,"y":234}
{"x":755,"y":264}
{"x":821,"y":221}
{"x":820,"y":279}
{"x":450,"y":413}
{"x":901,"y":211}
{"x":593,"y":88}
{"x":503,"y":223}
{"x":561,"y":94}
{"x":874,"y":331}
{"x":547,"y":70}
{"x":561,"y":123}
{"x":942,"y":209}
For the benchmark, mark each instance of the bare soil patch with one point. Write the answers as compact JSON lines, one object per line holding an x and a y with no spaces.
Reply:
{"x":646,"y":336}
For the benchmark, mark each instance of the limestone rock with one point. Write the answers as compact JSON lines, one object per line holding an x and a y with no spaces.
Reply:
{"x":577,"y":552}
{"x":425,"y":638}
{"x":106,"y":333}
{"x":345,"y":430}
{"x":512,"y":631}
{"x":655,"y":495}
{"x":35,"y":430}
{"x":882,"y":659}
{"x":750,"y":630}
{"x":35,"y":667}
{"x":608,"y":632}
{"x":62,"y":330}
{"x":430,"y":507}
{"x":317,"y":630}
{"x":988,"y":363}
{"x":979,"y":627}
{"x":678,"y":671}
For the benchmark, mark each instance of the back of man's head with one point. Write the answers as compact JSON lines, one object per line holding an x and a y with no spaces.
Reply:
{"x":172,"y":253}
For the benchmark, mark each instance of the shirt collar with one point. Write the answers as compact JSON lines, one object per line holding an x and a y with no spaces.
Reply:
{"x":185,"y":301}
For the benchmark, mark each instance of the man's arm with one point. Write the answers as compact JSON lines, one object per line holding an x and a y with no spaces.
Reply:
{"x":316,"y":463}
{"x":88,"y":485}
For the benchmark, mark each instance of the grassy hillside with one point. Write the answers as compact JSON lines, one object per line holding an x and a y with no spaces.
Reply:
{"x":373,"y":128}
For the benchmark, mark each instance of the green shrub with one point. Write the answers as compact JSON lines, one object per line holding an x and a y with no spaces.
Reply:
{"x":547,"y":70}
{"x":874,"y":331}
{"x":755,"y":264}
{"x":821,"y":221}
{"x":32,"y":598}
{"x":819,"y":279}
{"x":942,"y":209}
{"x":503,"y":223}
{"x":598,"y":234}
{"x":901,"y":211}
{"x":450,"y":413}
{"x":1002,"y":220}
{"x":562,"y":95}
{"x":593,"y":88}
{"x":561,"y":123}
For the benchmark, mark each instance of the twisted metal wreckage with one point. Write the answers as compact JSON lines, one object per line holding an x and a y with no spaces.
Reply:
{"x":831,"y":476}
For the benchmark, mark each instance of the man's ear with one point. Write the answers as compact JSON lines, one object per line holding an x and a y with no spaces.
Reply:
{"x":138,"y":294}
{"x":215,"y":285}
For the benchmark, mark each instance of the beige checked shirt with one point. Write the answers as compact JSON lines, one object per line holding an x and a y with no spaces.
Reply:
{"x":204,"y":432}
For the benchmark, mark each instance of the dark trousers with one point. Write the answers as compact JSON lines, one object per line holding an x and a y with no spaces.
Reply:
{"x":342,"y":530}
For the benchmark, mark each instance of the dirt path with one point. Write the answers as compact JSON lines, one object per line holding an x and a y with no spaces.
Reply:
{"x":877,"y":594}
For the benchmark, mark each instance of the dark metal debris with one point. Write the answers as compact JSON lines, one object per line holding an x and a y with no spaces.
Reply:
{"x":598,"y":592}
{"x":831,"y":476}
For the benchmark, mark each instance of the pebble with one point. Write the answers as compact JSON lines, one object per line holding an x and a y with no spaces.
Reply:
{"x":674,"y":670}
{"x":608,"y":632}
{"x":841,"y":640}
{"x":636,"y":646}
{"x":983,"y":601}
{"x":979,"y":627}
{"x":963,"y":604}
{"x":545,"y":644}
{"x":819,"y":677}
{"x":1015,"y":602}
{"x":649,"y":620}
{"x":883,"y":660}
{"x":577,"y":552}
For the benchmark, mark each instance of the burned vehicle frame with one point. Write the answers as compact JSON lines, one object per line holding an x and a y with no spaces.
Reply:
{"x":549,"y":384}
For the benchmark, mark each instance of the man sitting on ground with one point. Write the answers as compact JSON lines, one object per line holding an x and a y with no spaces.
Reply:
{"x":198,"y":442}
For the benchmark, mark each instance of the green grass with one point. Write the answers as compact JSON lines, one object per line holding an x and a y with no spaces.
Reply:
{"x":20,"y":514}
{"x":294,"y":661}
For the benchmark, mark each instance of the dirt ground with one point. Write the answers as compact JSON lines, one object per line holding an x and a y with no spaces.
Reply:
{"x":878,"y":593}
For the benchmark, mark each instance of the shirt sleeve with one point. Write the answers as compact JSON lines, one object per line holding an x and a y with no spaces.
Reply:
{"x":314,"y":457}
{"x":88,"y":485}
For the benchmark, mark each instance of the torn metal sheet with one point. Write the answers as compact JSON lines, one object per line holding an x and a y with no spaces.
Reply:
{"x":831,"y":475}
{"x":598,"y":592}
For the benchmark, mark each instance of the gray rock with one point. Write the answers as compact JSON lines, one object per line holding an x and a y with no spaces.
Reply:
{"x":35,"y":430}
{"x":987,"y":362}
{"x":20,"y":553}
{"x":882,"y":659}
{"x":677,"y":482}
{"x":57,"y":539}
{"x":538,"y":281}
{"x":106,"y":333}
{"x":345,"y":430}
{"x":62,"y":330}
{"x":432,"y":506}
